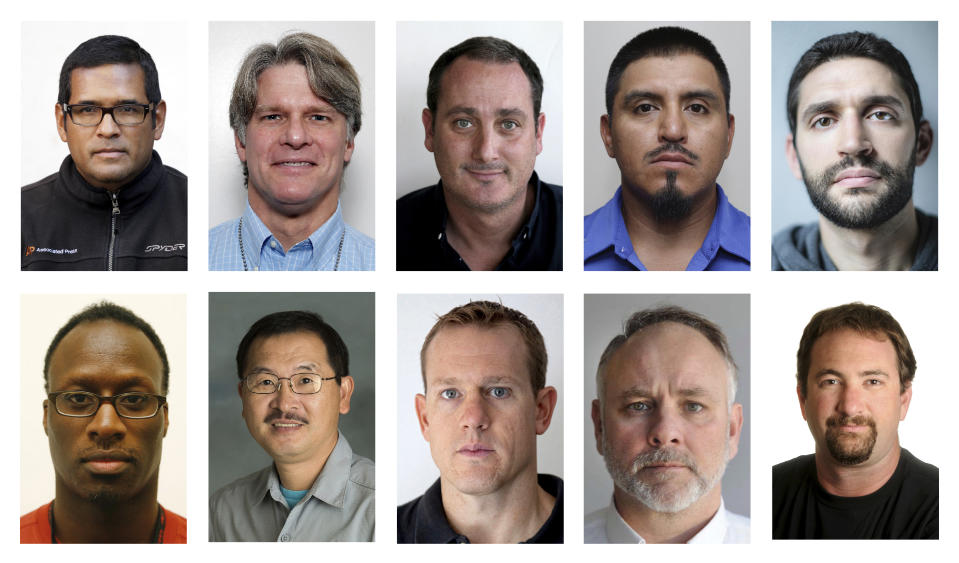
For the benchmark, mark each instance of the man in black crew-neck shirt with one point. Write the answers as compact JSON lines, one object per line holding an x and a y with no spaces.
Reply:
{"x":854,"y":373}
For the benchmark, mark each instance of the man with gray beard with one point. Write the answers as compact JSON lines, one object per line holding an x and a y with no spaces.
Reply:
{"x":666,"y":424}
{"x":854,"y":382}
{"x":857,"y":135}
{"x":668,"y":126}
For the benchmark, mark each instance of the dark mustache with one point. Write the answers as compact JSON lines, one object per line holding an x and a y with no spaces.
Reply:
{"x":280,"y":415}
{"x":671,"y":147}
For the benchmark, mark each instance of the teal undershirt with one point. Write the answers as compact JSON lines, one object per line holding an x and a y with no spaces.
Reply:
{"x":292,"y":497}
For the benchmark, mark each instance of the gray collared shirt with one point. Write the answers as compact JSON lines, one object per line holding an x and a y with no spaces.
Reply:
{"x":339,"y":506}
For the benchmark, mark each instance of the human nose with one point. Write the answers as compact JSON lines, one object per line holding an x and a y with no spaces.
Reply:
{"x":665,"y":429}
{"x":853,"y":137}
{"x":474,"y":415}
{"x":108,"y":127}
{"x":484,"y":144}
{"x":295,"y":134}
{"x":284,"y":399}
{"x":850,"y":400}
{"x":106,"y":424}
{"x":672,"y":125}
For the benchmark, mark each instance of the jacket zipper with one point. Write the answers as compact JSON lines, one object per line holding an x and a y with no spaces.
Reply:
{"x":113,"y":230}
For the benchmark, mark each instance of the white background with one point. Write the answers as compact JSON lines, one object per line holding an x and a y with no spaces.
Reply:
{"x":778,"y":430}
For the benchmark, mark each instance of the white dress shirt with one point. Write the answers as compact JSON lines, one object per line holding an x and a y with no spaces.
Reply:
{"x":607,"y":526}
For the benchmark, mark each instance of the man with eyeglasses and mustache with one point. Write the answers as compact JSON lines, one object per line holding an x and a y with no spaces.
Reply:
{"x":113,"y":205}
{"x":857,"y":134}
{"x":295,"y":384}
{"x":106,"y":374}
{"x":669,"y":127}
{"x":666,"y":423}
{"x":855,"y":369}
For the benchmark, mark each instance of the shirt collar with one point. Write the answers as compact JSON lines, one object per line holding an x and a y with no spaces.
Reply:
{"x":328,"y":487}
{"x":618,"y":531}
{"x":256,"y":236}
{"x":525,"y":232}
{"x":609,"y":229}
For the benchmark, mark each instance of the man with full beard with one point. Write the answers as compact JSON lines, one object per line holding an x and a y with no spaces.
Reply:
{"x":666,"y":424}
{"x":854,"y":381}
{"x":857,"y":134}
{"x":668,"y":126}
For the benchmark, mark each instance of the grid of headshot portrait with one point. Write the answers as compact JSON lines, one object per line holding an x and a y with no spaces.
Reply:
{"x":550,"y":400}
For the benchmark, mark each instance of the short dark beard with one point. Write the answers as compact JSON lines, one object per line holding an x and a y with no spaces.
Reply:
{"x":885,"y":206}
{"x":668,"y":203}
{"x":856,"y":453}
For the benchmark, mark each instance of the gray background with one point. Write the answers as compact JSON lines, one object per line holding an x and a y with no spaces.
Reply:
{"x":602,"y":41}
{"x":603,"y":319}
{"x":233,"y":452}
{"x":918,"y":41}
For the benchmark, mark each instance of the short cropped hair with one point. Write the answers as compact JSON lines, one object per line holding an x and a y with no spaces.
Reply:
{"x":669,"y":314}
{"x":110,"y":50}
{"x":330,"y":75}
{"x":851,"y":45}
{"x":664,"y":42}
{"x":487,"y":50}
{"x":487,"y":314}
{"x":287,"y":322}
{"x":867,"y":320}
{"x":106,"y":311}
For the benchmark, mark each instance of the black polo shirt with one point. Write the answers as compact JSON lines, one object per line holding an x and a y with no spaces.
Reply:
{"x":423,"y":520}
{"x":421,"y":232}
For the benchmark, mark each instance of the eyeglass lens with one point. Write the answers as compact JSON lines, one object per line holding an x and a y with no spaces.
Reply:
{"x":130,"y":405}
{"x":122,"y":115}
{"x":302,"y":383}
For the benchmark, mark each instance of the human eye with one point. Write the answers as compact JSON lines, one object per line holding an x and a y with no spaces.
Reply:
{"x":319,"y":117}
{"x":694,"y":407}
{"x":881,"y":115}
{"x":462,"y":123}
{"x":643,"y":108}
{"x":305,"y":378}
{"x":639,"y":406}
{"x":823,"y":122}
{"x":129,"y":110}
{"x":828,"y":382}
{"x":510,"y":125}
{"x":698,"y":108}
{"x":263,"y":383}
{"x":77,"y":399}
{"x":449,"y":393}
{"x":86,"y":109}
{"x":500,"y":392}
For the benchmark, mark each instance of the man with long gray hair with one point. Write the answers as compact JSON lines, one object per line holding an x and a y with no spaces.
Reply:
{"x":666,"y":424}
{"x":295,"y":111}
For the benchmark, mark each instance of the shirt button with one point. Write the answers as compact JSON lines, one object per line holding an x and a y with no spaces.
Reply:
{"x":285,"y":537}
{"x":272,"y":244}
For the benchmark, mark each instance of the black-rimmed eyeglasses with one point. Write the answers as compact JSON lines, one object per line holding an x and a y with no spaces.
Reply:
{"x":128,"y":405}
{"x":300,"y":383}
{"x":88,"y":115}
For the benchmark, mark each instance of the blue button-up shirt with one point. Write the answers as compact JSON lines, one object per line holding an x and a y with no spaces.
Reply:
{"x":607,"y":245}
{"x":264,"y":252}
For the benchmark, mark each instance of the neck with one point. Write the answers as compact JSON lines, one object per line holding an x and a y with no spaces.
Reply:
{"x":890,"y":246}
{"x":78,"y":520}
{"x":512,"y":514}
{"x":299,"y":475}
{"x":482,"y":239}
{"x":663,"y":527}
{"x":667,"y":245}
{"x":291,"y":228}
{"x":855,"y":480}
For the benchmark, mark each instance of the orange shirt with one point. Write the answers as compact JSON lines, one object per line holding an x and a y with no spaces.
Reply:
{"x":35,"y":527}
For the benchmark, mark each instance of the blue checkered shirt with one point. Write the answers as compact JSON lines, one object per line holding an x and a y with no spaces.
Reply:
{"x":264,"y":252}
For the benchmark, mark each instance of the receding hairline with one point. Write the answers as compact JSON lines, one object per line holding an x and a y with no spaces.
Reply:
{"x":449,"y":327}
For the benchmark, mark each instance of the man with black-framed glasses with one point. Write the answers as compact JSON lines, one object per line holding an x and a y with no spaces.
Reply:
{"x":294,"y":382}
{"x":113,"y":205}
{"x":106,"y":375}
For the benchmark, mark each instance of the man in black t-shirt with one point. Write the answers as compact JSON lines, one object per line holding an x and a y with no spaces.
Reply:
{"x":854,"y":374}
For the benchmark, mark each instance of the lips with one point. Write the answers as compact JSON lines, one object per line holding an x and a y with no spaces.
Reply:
{"x":294,"y":163}
{"x":856,"y":177}
{"x":109,"y":152}
{"x":475,"y":450}
{"x":107,"y":463}
{"x":672,"y":158}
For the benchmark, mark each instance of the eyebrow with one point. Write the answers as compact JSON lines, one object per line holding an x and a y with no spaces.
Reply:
{"x":866,"y":373}
{"x":635,"y":95}
{"x":869,"y":101}
{"x":471,"y":111}
{"x":492,"y":380}
{"x":304,"y":367}
{"x":118,"y":103}
{"x":685,"y":392}
{"x":94,"y":382}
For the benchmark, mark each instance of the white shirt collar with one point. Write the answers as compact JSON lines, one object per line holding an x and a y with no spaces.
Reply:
{"x":618,"y":531}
